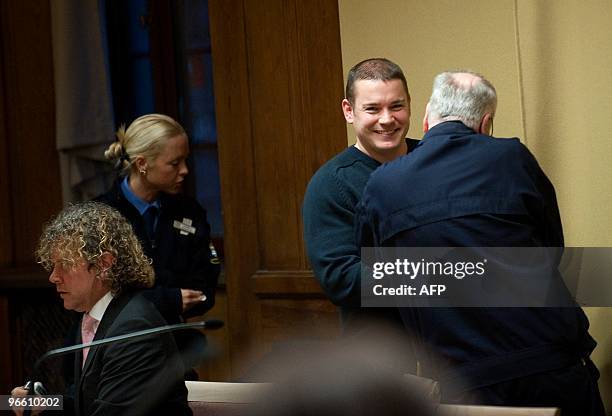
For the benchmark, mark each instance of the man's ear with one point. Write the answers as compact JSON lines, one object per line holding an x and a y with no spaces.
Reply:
{"x":105,"y":262}
{"x":426,"y":119}
{"x":347,"y":109}
{"x":486,"y":124}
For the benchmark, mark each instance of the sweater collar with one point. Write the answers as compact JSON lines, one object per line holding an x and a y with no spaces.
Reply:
{"x":367,"y":159}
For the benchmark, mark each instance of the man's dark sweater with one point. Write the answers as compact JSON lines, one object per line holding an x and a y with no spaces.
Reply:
{"x":329,"y":231}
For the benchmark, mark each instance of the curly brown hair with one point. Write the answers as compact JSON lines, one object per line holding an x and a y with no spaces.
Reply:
{"x":87,"y":230}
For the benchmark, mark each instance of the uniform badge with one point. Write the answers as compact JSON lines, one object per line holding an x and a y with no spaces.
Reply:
{"x":185,"y":226}
{"x":214,"y":258}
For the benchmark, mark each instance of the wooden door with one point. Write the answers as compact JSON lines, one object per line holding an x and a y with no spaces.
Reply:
{"x":278,"y":88}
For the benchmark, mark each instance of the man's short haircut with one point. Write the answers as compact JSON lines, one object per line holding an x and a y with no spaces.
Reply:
{"x":452,"y":100}
{"x":87,"y":230}
{"x":379,"y":69}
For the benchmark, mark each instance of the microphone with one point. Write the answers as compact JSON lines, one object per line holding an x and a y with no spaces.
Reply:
{"x":38,"y":388}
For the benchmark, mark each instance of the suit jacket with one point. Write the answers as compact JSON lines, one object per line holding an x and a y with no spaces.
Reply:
{"x":136,"y":377}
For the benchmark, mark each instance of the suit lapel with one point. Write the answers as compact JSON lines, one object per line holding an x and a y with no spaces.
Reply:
{"x":114,"y":308}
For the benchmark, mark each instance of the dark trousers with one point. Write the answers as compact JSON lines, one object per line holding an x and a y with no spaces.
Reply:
{"x":573,"y":389}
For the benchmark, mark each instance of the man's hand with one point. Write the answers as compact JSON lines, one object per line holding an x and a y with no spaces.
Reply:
{"x":21,"y":392}
{"x":191,"y":298}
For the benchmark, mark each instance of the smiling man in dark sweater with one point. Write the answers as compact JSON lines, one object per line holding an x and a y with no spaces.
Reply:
{"x":377,"y":104}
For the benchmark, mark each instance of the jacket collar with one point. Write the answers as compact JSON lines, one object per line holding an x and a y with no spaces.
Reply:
{"x":446,"y":128}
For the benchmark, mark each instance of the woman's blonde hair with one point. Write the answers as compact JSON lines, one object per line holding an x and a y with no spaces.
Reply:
{"x":86,"y":231}
{"x":145,"y":137}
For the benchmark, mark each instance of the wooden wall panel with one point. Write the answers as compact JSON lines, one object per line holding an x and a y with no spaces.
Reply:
{"x":296,"y":92}
{"x":294,"y":319}
{"x":29,"y":169}
{"x":6,"y":231}
{"x":269,"y":36}
{"x":232,"y":107}
{"x":29,"y":122}
{"x":6,"y":213}
{"x":317,"y":66}
{"x":278,"y":87}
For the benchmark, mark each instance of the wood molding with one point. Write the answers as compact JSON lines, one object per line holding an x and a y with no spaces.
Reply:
{"x":274,"y":283}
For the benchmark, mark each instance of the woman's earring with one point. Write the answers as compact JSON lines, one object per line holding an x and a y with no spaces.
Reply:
{"x":143,"y":171}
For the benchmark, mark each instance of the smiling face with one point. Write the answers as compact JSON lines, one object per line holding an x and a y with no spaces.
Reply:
{"x":167,"y":171}
{"x":77,"y":286}
{"x":380,"y":116}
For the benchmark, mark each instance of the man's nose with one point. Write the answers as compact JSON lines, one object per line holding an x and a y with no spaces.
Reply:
{"x":386,"y":117}
{"x":54,"y":277}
